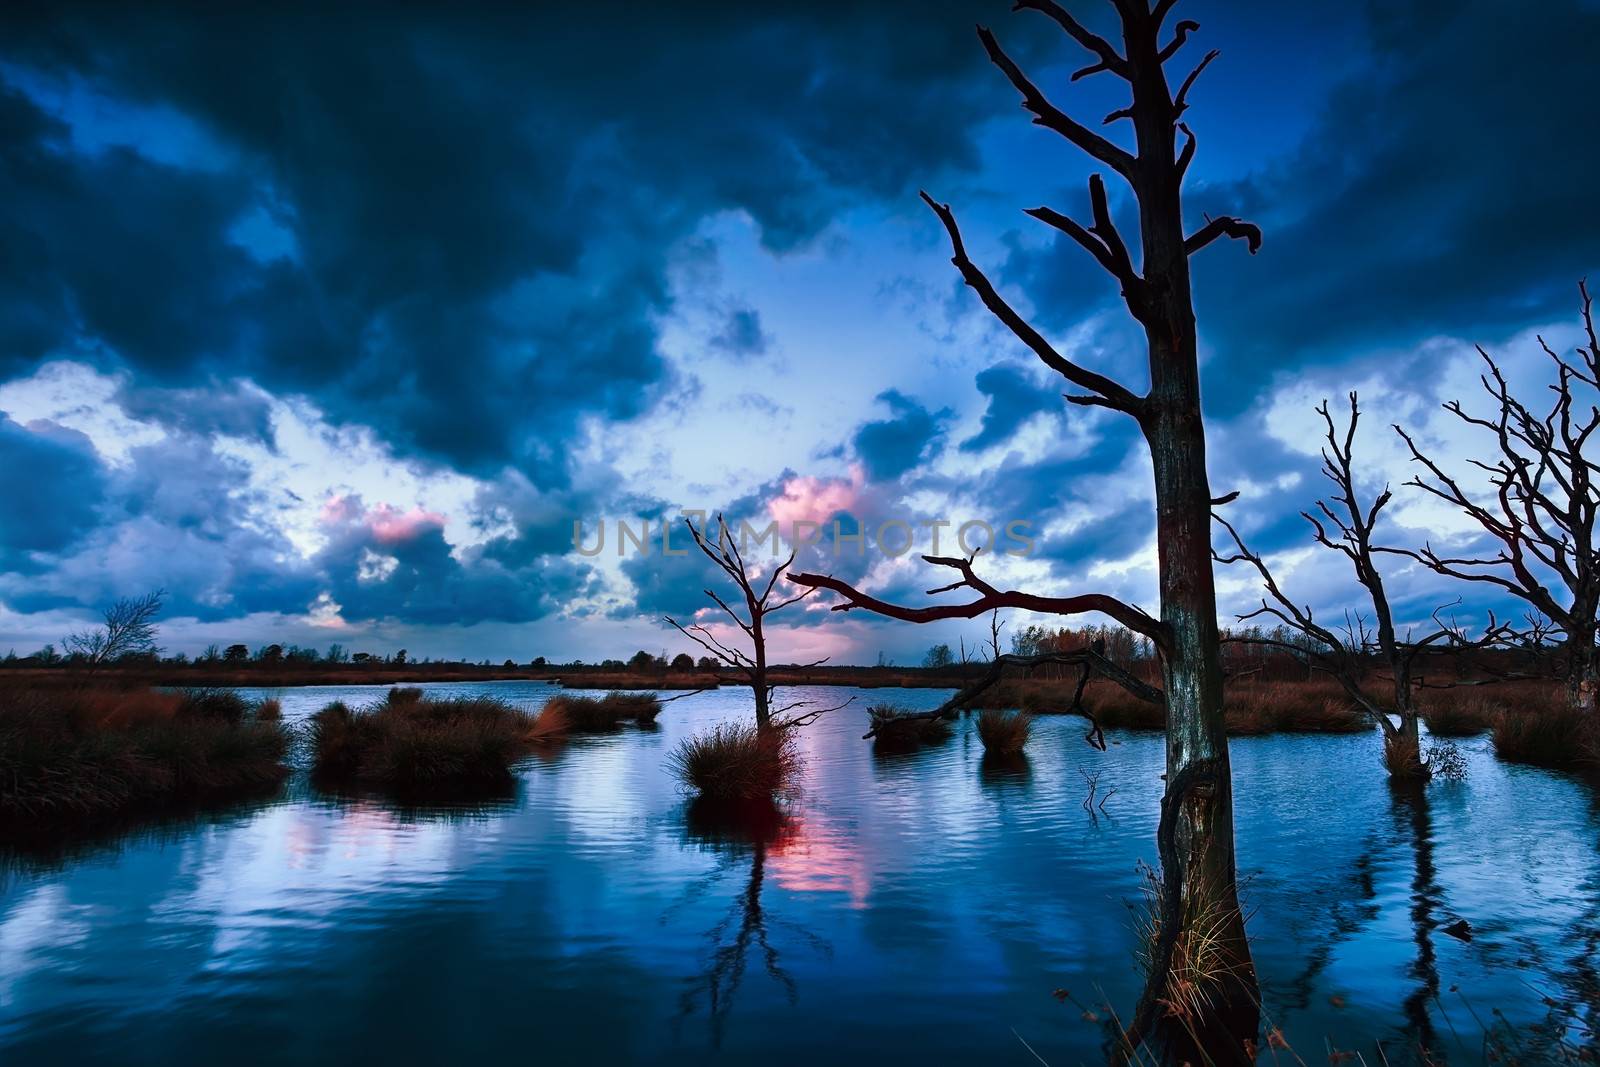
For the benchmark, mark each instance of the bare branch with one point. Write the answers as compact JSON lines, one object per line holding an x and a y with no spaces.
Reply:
{"x":1109,"y":59}
{"x":989,"y":599}
{"x":1224,"y":226}
{"x":1047,"y":115}
{"x":1116,"y":396}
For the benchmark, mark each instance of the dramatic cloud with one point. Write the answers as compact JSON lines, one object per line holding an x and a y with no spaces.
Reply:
{"x":332,"y":323}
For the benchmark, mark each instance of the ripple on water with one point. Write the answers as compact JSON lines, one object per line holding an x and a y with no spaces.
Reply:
{"x":918,"y":906}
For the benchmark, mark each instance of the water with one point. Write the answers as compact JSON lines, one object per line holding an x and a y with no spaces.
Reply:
{"x":922,"y":908}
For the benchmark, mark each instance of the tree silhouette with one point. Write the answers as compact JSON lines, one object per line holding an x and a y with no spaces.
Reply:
{"x":1195,"y":837}
{"x":1346,"y":526}
{"x":724,"y":551}
{"x":129,"y":628}
{"x":1542,"y":505}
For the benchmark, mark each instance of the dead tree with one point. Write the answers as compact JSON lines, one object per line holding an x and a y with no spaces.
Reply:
{"x":752,"y":665}
{"x":1540,"y":508}
{"x":1347,"y":653}
{"x":1195,"y":838}
{"x":129,"y":629}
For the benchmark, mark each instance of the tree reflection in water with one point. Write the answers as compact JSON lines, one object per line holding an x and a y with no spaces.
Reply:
{"x":741,"y":832}
{"x":1414,"y":818}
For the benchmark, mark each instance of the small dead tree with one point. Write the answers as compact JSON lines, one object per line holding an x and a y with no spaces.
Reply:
{"x":1348,"y":653}
{"x":129,"y":629}
{"x":752,"y":666}
{"x":1195,"y":836}
{"x":1540,"y":509}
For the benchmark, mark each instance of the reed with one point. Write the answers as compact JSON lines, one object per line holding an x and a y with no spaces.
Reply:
{"x":736,"y":762}
{"x":1004,"y":733}
{"x":420,"y":747}
{"x":601,"y":714}
{"x":85,"y":754}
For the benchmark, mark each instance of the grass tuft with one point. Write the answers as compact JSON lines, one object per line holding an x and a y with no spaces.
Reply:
{"x":1556,"y":736}
{"x":1460,"y":714}
{"x":423,"y":747}
{"x":1004,"y":733}
{"x":85,"y":754}
{"x":736,"y":762}
{"x":602,"y":714}
{"x":212,"y":704}
{"x":1402,"y":756}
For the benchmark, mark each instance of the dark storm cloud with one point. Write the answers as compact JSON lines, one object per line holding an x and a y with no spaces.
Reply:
{"x":469,"y":214}
{"x":911,"y":435}
{"x":177,"y":516}
{"x":52,"y":484}
{"x":1015,"y":396}
{"x":383,"y":564}
{"x":1444,"y":190}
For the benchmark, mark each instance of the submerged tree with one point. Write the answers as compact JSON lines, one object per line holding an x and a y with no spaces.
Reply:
{"x":1539,"y":513}
{"x":129,"y":629}
{"x":1200,"y":932}
{"x":756,"y":592}
{"x":1349,"y":653}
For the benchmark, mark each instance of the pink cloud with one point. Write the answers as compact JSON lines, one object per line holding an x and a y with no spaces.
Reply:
{"x":388,"y":524}
{"x":807,"y":498}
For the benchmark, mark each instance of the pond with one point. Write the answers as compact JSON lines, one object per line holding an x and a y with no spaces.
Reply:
{"x":918,"y":908}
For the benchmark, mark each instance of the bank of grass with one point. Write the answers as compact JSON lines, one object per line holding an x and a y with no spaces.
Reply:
{"x":1552,"y":736}
{"x":898,"y":729}
{"x":75,"y":754}
{"x":1004,"y":733}
{"x":736,"y":762}
{"x":601,"y":714}
{"x":420,"y":747}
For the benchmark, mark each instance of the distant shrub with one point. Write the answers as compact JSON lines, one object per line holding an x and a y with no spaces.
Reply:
{"x":84,"y":754}
{"x":420,"y":747}
{"x":1003,"y":733}
{"x":402,"y":695}
{"x":736,"y":762}
{"x":610,"y":712}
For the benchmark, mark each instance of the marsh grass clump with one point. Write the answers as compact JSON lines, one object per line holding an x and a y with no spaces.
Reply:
{"x":1335,"y":715}
{"x":402,"y":695}
{"x":80,"y":755}
{"x":1557,"y":737}
{"x":603,"y":714}
{"x":213,"y":703}
{"x":1202,"y":961}
{"x":1402,"y":756}
{"x":269,"y":710}
{"x":1004,"y":733}
{"x":1460,"y":714}
{"x":1117,"y":709}
{"x":423,"y":747}
{"x":898,"y":729}
{"x":736,"y":762}
{"x":549,"y":725}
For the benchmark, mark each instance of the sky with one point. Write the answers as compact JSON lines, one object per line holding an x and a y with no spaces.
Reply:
{"x":332,"y":323}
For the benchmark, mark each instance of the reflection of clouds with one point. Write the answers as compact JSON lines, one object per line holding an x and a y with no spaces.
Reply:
{"x":299,"y":867}
{"x":813,"y":856}
{"x":44,"y":920}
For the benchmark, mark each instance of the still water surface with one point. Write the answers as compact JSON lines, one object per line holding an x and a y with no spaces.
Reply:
{"x":921,"y":908}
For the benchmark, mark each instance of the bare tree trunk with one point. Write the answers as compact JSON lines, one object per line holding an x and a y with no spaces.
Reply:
{"x":1583,"y":672}
{"x":1197,"y":839}
{"x":758,"y":676}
